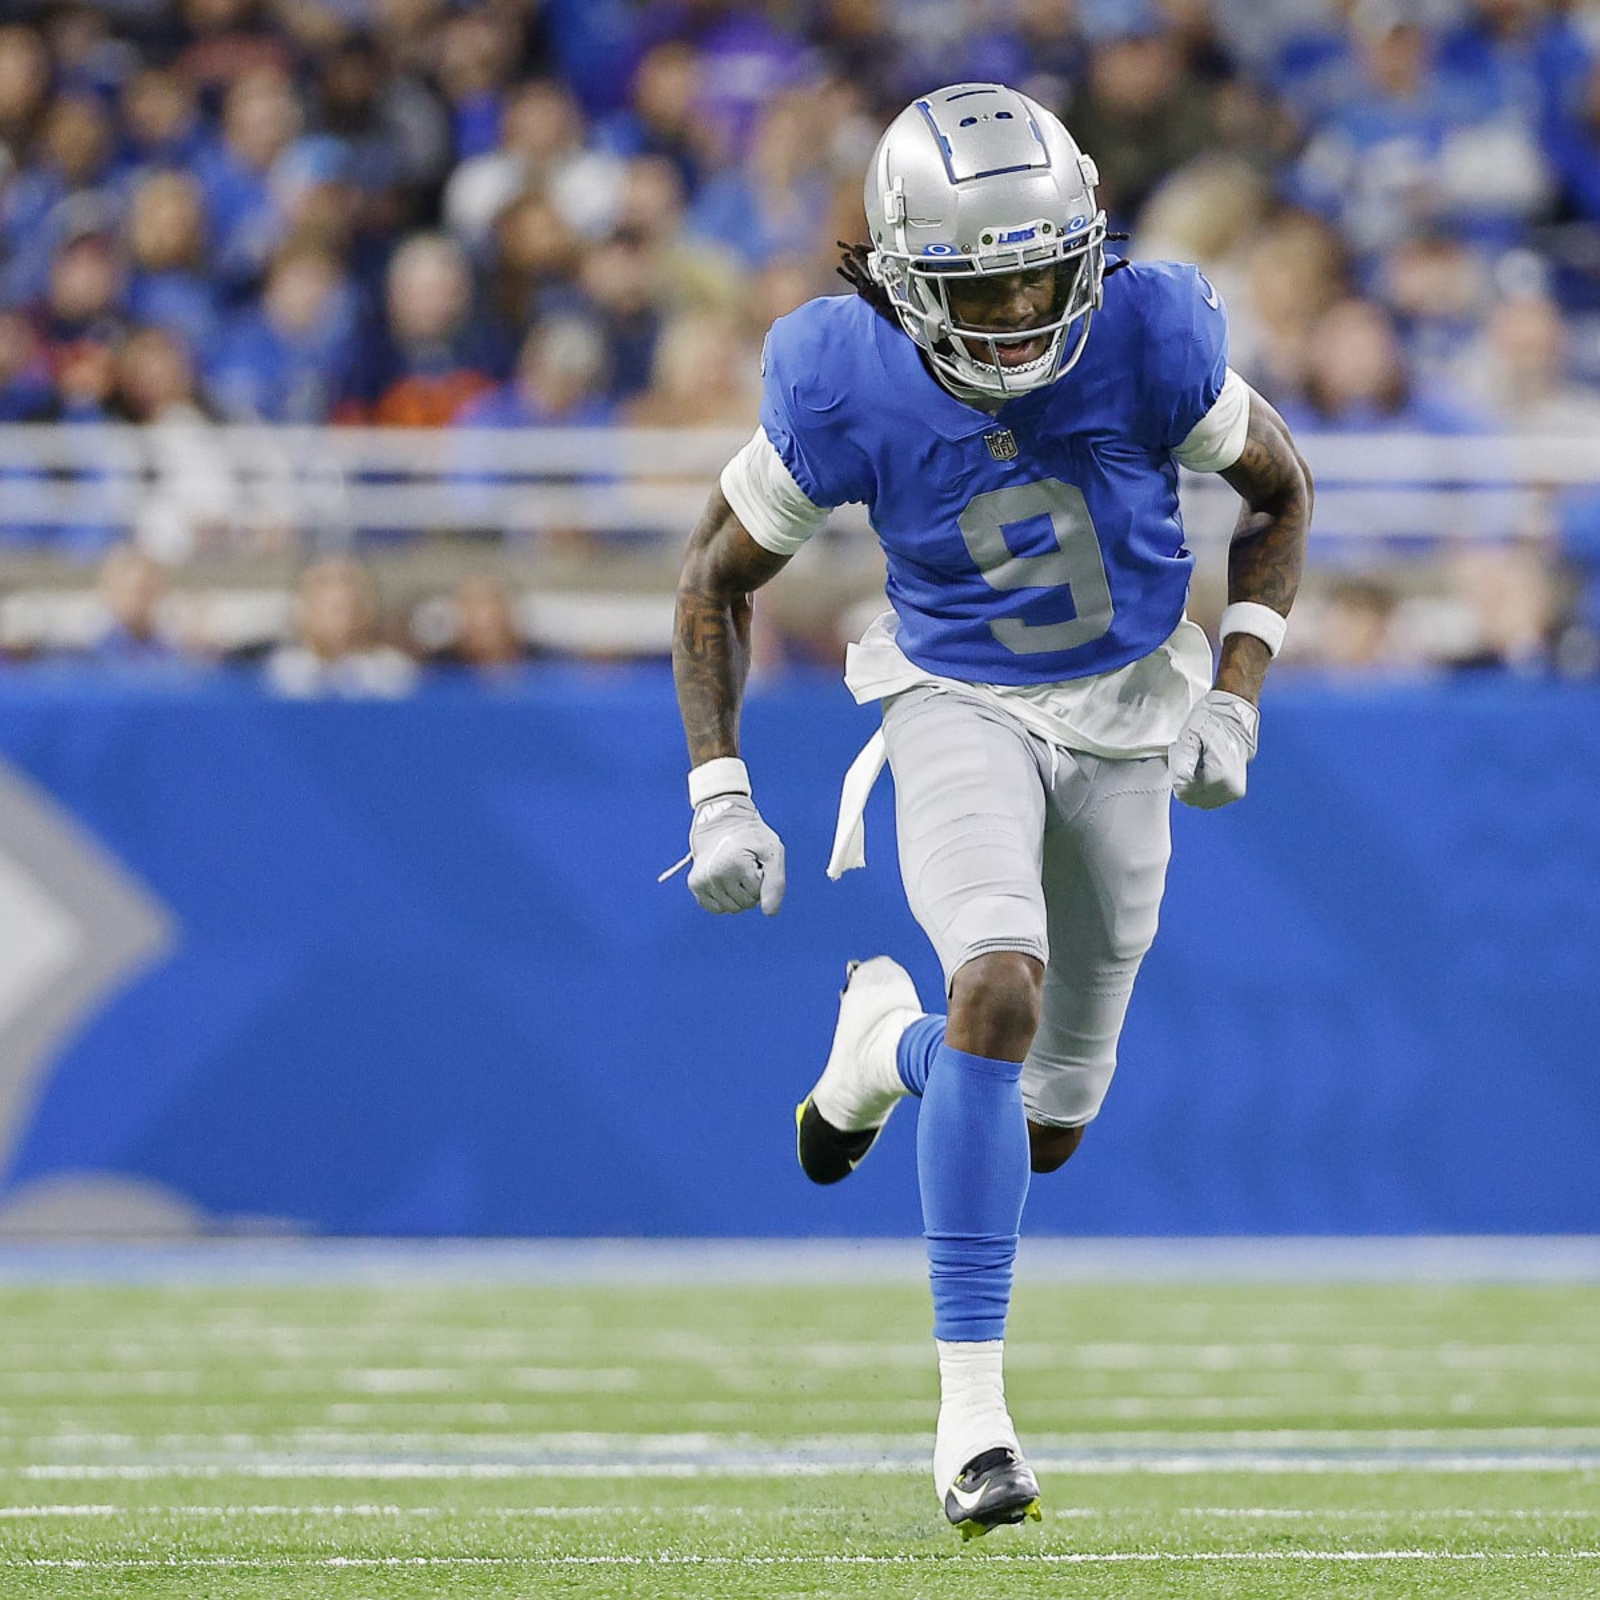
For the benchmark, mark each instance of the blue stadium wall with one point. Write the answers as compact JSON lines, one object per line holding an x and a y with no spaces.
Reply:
{"x":398,"y":969}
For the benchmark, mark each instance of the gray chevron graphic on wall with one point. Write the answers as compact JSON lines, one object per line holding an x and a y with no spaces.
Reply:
{"x":75,"y":927}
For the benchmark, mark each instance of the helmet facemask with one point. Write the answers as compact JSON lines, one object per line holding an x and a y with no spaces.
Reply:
{"x":967,"y":355}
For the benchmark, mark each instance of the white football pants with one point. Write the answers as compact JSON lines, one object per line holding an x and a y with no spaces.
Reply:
{"x":1008,"y":842}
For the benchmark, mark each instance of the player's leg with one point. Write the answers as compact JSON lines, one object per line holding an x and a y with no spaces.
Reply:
{"x":883,"y":1042}
{"x":970,"y":808}
{"x":1105,"y":862}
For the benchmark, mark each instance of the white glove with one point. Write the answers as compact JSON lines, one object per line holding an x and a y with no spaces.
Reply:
{"x":737,"y":858}
{"x":1208,"y":758}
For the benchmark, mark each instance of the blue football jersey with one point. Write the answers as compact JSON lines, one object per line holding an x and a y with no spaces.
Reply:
{"x":1029,"y":545}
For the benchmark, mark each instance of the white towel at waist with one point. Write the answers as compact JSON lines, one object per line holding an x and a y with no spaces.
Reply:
{"x":1133,"y":711}
{"x":850,"y":832}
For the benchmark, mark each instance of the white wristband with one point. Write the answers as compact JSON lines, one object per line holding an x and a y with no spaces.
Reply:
{"x":721,"y":775}
{"x":1261,"y":622}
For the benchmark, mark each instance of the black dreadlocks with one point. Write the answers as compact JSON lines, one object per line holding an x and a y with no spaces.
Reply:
{"x":853,"y":269}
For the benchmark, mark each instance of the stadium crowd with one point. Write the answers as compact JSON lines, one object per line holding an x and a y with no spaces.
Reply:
{"x":520,"y":213}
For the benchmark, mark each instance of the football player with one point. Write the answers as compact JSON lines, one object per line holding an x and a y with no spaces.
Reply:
{"x":1013,"y":410}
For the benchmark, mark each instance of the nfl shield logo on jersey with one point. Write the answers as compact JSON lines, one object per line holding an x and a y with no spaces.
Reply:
{"x":1002,"y":444}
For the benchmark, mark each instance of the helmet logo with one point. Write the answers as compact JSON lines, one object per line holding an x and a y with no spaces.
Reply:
{"x":1000,"y":238}
{"x":939,"y":250}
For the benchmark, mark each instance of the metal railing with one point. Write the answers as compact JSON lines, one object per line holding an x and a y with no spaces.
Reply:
{"x":175,"y":483}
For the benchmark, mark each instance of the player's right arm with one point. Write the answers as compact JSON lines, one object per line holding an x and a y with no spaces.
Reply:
{"x":770,"y":499}
{"x":711,"y":630}
{"x":737,"y":860}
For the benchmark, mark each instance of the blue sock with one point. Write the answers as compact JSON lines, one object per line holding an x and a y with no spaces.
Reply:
{"x":913,"y":1056}
{"x":972,"y":1168}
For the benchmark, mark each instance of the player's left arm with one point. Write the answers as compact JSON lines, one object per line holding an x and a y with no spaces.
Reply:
{"x":1265,"y":559}
{"x":1268,"y":550}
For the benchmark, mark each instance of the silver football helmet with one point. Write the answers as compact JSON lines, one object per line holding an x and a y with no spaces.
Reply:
{"x":976,"y":180}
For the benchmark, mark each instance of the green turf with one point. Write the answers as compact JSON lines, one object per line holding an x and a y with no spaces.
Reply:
{"x":1268,"y":1442}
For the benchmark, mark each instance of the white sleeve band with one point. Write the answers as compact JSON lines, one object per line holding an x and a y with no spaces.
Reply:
{"x":720,"y":775}
{"x":773,"y":508}
{"x":1250,"y":616}
{"x":1216,"y":441}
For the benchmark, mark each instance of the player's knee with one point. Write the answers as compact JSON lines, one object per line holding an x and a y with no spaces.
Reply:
{"x":1049,"y":1148}
{"x":995,"y":1003}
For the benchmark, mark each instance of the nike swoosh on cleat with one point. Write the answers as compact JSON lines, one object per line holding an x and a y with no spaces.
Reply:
{"x":965,"y":1498}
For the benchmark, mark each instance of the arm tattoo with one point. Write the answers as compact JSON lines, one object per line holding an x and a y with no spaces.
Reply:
{"x":711,"y":631}
{"x":1268,"y":549}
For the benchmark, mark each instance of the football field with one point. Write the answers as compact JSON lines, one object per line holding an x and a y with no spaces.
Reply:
{"x":386,"y":1432}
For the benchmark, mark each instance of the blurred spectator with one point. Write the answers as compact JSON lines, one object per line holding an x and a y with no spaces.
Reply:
{"x":1507,"y":592}
{"x":63,"y":191}
{"x":705,"y":376}
{"x":560,"y":381}
{"x":620,"y":279}
{"x":773,"y":202}
{"x":1520,"y":63}
{"x":1357,"y":381}
{"x":435,"y":355}
{"x":1352,"y":628}
{"x":189,"y":494}
{"x":534,"y":266}
{"x":1372,"y":163}
{"x":84,"y":299}
{"x":1436,"y":287}
{"x":479,"y":633}
{"x":593,"y":45}
{"x":26,"y":391}
{"x":244,"y":216}
{"x":1520,"y":372}
{"x":745,"y":61}
{"x":859,"y":40}
{"x":337,"y":651}
{"x":693,"y":272}
{"x":229,"y":40}
{"x":660,"y":118}
{"x":1572,"y":144}
{"x":1140,"y":115}
{"x":477,"y":53}
{"x":131,"y":587}
{"x":1210,"y":212}
{"x":291,"y":359}
{"x":393,"y":129}
{"x":89,"y":59}
{"x":541,"y":148}
{"x":169,"y":285}
{"x":161,"y":125}
{"x":24,"y":88}
{"x":1296,"y":270}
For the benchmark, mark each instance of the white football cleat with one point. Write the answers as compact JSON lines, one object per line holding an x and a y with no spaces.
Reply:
{"x":840,"y":1120}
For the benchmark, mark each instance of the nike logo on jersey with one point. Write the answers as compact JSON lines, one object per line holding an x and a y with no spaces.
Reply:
{"x":1211,"y":294}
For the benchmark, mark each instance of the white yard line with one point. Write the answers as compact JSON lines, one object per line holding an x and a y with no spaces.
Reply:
{"x":535,"y":1513}
{"x":1097,"y":1466}
{"x":1043,"y":1558}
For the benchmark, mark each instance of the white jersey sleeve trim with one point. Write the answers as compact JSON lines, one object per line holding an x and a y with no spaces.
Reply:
{"x":1217,"y":440}
{"x":764,"y":496}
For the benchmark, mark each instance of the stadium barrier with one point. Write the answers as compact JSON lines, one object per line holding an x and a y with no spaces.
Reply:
{"x":405,"y":969}
{"x":384,"y":483}
{"x":585,"y":525}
